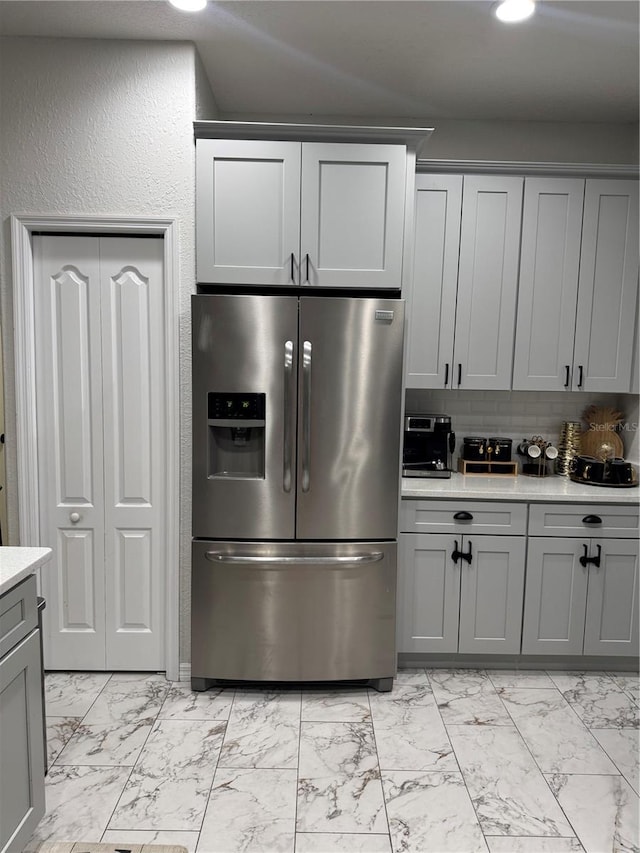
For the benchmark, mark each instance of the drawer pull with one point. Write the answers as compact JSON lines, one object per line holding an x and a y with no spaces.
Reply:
{"x":594,"y":561}
{"x":463,"y":516}
{"x":460,"y":555}
{"x":592,"y":519}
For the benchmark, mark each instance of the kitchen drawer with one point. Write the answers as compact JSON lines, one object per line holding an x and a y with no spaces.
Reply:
{"x":18,"y":614}
{"x":584,"y":520}
{"x":417,"y":516}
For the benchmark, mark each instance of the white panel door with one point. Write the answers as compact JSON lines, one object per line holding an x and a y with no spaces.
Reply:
{"x":248,"y":211}
{"x":548,"y":290}
{"x":99,"y":361}
{"x":352,"y":215}
{"x":611,"y":626}
{"x":431,"y":313}
{"x":70,"y":452}
{"x":487,"y":282}
{"x":608,"y":287}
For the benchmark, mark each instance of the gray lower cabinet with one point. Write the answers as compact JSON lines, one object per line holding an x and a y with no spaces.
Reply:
{"x":583,"y":580}
{"x":21,"y":744}
{"x":581,"y":597}
{"x":460,"y":593}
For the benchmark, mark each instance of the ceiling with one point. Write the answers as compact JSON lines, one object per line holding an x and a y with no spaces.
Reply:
{"x":385,"y":59}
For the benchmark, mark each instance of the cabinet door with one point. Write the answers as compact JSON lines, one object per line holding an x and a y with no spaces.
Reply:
{"x":487,"y":282}
{"x":352,"y":220}
{"x":428,"y":594}
{"x":247,"y":211}
{"x":608,"y":287}
{"x":548,"y":289}
{"x":611,"y":626}
{"x":21,"y":745}
{"x":555,"y":597}
{"x":491,"y":593}
{"x":432,"y":301}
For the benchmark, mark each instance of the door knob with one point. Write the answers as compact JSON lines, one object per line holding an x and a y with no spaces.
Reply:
{"x":74,"y":517}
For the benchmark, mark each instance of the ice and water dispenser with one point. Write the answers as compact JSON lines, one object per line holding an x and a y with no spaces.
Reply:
{"x":236,"y":435}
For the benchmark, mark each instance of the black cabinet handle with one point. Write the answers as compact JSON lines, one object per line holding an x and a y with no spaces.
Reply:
{"x":460,"y":555}
{"x":459,"y":375}
{"x":307,"y":261}
{"x":293,"y":269}
{"x":463,"y":516}
{"x":446,"y":374}
{"x":592,"y":519}
{"x":566,"y":376}
{"x":580,"y":375}
{"x":593,"y":561}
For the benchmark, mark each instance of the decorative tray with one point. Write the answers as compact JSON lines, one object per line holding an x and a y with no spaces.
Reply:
{"x":608,"y":485}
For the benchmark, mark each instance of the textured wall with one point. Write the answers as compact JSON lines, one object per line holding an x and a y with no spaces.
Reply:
{"x":102,"y":127}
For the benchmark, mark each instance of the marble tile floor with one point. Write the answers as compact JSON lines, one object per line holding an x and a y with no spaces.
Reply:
{"x":451,"y":760}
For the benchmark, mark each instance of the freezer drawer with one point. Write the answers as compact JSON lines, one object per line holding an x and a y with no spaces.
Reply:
{"x":312,"y":611}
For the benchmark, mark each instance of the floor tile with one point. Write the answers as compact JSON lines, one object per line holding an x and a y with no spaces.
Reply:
{"x":339,"y":787}
{"x":113,"y":745}
{"x":182,"y":703}
{"x":508,"y":790}
{"x":71,"y":694}
{"x":263,"y":730}
{"x":250,"y":810}
{"x":629,"y":682}
{"x":128,"y":698}
{"x":597,"y":700}
{"x":430,"y":813}
{"x":519,"y":678}
{"x":149,"y":836}
{"x":59,"y":731}
{"x":342,"y":842}
{"x":603,"y":810}
{"x":337,"y":706}
{"x":80,"y":801}
{"x":558,"y":741}
{"x":623,"y":747}
{"x":467,"y":697}
{"x":412,"y":737}
{"x":531,"y":844}
{"x":169,"y":786}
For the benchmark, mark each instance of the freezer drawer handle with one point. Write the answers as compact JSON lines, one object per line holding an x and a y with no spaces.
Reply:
{"x":287,"y":444}
{"x":306,"y":414}
{"x":219,"y":557}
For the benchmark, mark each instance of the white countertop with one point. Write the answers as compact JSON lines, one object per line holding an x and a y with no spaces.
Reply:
{"x":17,"y":563}
{"x":521,"y":488}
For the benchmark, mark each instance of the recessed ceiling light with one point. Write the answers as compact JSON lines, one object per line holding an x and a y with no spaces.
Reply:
{"x":189,"y":5}
{"x":512,"y":11}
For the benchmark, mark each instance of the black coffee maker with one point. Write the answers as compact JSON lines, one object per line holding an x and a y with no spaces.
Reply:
{"x":428,"y":445}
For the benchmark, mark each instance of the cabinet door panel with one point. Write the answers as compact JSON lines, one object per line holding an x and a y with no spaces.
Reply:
{"x":487,"y":282}
{"x":352,"y":220}
{"x":248,"y":211}
{"x":608,"y":286}
{"x":428,"y":594}
{"x":431,"y":319}
{"x":491,"y":594}
{"x":612,"y":603}
{"x":555,"y":597}
{"x":548,"y":288}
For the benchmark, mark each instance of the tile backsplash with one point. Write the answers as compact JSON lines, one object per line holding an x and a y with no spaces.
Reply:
{"x":521,"y":414}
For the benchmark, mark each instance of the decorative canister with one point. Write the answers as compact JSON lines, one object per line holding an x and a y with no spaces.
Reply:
{"x":500,"y":449}
{"x":568,"y":447}
{"x":474,"y":448}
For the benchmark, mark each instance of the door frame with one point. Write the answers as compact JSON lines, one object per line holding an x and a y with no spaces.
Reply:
{"x":22,"y":230}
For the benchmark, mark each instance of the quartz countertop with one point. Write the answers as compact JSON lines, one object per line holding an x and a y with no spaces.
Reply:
{"x":18,"y":563}
{"x":549,"y":489}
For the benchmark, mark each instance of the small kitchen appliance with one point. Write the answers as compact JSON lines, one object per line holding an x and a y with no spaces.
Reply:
{"x":428,"y":444}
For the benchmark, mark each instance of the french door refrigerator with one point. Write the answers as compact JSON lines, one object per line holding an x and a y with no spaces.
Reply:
{"x":296,"y":457}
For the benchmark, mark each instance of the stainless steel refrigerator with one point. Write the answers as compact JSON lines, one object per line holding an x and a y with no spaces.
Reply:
{"x":296,"y":459}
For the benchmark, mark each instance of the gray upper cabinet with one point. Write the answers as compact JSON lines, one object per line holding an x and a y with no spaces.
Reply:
{"x":300,"y":213}
{"x":465,"y":277}
{"x":578,"y":285}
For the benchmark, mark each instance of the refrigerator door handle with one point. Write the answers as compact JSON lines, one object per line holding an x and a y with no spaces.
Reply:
{"x":287,"y":444}
{"x":220,"y":557}
{"x":306,"y":414}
